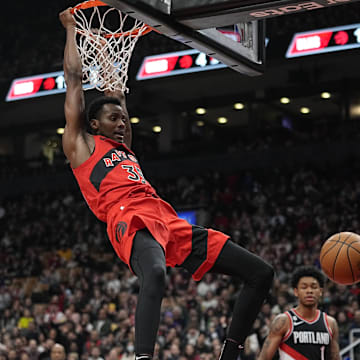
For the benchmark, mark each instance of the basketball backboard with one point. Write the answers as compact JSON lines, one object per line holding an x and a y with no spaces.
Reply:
{"x":232,"y":31}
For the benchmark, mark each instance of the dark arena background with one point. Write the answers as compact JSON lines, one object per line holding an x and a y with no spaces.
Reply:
{"x":271,"y":160}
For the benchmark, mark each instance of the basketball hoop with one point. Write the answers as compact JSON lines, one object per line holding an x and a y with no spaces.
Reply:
{"x":105,"y":52}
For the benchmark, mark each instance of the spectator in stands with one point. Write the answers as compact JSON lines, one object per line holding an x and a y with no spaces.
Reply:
{"x":57,"y":352}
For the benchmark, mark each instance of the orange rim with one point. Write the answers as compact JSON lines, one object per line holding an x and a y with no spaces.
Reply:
{"x":93,"y":3}
{"x":87,"y":5}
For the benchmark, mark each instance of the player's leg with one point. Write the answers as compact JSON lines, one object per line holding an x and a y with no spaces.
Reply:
{"x":257,"y":276}
{"x":148,"y":263}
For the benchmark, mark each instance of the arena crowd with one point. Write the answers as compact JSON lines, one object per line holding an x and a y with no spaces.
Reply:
{"x":62,"y":283}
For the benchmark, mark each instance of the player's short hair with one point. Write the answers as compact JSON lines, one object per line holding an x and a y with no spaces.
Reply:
{"x":95,"y":108}
{"x":303,"y":271}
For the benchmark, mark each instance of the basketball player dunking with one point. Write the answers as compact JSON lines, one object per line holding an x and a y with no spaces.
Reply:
{"x":305,"y":332}
{"x":145,"y":231}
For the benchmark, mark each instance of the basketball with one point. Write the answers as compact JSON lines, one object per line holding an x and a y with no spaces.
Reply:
{"x":340,"y":258}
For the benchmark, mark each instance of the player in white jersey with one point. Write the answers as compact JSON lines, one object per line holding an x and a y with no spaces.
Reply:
{"x":305,"y":332}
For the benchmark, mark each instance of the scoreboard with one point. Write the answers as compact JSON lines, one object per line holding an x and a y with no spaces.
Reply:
{"x":37,"y":85}
{"x":324,"y":40}
{"x":176,"y":63}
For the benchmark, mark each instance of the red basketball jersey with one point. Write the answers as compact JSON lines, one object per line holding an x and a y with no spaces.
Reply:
{"x":110,"y":175}
{"x":114,"y":187}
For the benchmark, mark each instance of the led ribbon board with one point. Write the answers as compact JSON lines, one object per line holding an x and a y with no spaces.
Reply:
{"x":176,"y":63}
{"x":37,"y":85}
{"x":324,"y":40}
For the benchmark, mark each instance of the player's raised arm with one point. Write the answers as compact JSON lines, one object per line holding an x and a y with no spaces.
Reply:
{"x":74,"y":143}
{"x":278,"y":329}
{"x":118,"y":94}
{"x":334,"y":346}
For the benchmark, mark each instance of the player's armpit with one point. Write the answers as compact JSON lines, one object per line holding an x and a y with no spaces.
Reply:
{"x":334,"y":345}
{"x":278,"y":329}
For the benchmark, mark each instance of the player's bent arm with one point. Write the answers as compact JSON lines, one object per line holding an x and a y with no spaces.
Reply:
{"x":121,"y":97}
{"x":334,"y":345}
{"x":278,"y":329}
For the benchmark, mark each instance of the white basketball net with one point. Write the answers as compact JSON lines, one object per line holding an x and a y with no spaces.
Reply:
{"x":105,"y":55}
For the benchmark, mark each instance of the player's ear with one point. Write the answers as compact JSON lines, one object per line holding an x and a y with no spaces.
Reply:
{"x":296,"y":293}
{"x":94,"y":124}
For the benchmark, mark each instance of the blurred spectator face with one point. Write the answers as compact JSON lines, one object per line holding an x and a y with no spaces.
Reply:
{"x":113,"y":354}
{"x":94,"y":336}
{"x":73,"y":347}
{"x":200,"y":339}
{"x":341,"y":317}
{"x":122,"y":315}
{"x":102,"y":314}
{"x":85,"y":318}
{"x":12,"y":355}
{"x":73,"y":356}
{"x":177,"y":312}
{"x":357,"y":316}
{"x":189,"y":350}
{"x":266,"y":309}
{"x":18,"y":343}
{"x":95,"y":352}
{"x":32,"y":345}
{"x":49,"y":344}
{"x":57,"y":352}
{"x":52,"y":334}
{"x":282,"y":301}
{"x":24,"y":356}
{"x":168,"y":320}
{"x":174,"y":349}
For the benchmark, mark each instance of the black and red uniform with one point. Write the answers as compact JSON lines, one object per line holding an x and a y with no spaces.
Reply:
{"x":306,"y":339}
{"x":115,"y":189}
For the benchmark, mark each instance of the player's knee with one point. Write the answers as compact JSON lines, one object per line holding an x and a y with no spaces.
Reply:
{"x":156,"y":279}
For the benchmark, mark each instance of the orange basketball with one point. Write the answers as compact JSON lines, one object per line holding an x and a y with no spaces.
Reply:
{"x":340,"y":258}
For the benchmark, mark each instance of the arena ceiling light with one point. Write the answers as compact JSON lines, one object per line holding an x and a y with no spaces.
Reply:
{"x":200,"y":111}
{"x":222,"y":120}
{"x":284,"y":100}
{"x":200,"y":123}
{"x":305,"y":110}
{"x":156,"y":129}
{"x":325,"y":95}
{"x":238,"y":106}
{"x":134,"y":120}
{"x":60,"y":131}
